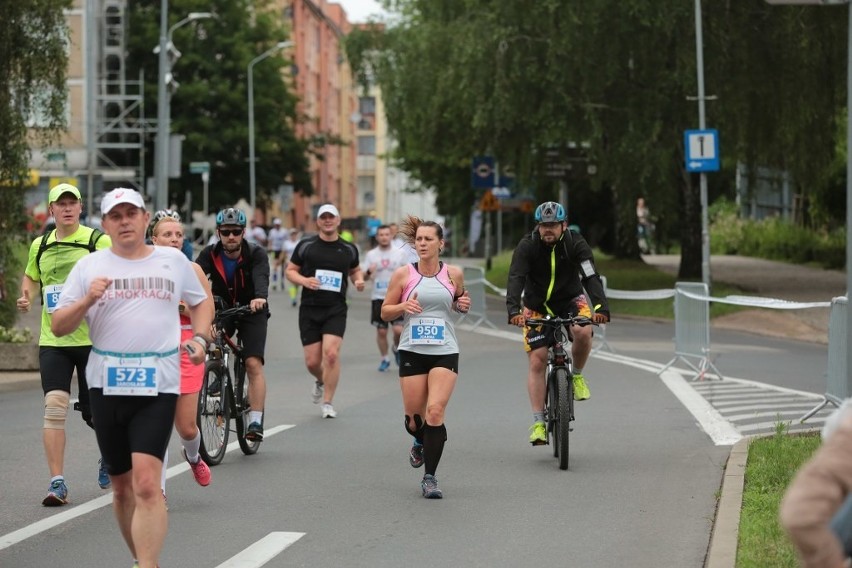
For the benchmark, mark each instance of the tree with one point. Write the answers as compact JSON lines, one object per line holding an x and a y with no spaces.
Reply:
{"x":210,"y":107}
{"x":33,"y":59}
{"x":465,"y":77}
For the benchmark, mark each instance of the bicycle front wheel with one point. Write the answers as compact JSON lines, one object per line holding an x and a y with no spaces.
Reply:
{"x":563,"y":411}
{"x":214,"y":414}
{"x":248,"y":447}
{"x":551,"y":407}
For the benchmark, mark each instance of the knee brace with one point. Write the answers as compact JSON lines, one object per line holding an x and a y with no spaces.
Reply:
{"x":418,"y":423}
{"x":56,"y":409}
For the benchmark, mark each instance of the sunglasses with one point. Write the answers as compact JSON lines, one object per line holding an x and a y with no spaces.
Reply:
{"x":229,"y":232}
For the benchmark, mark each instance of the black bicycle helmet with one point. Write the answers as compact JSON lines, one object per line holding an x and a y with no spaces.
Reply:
{"x":230,"y":216}
{"x":550,"y":212}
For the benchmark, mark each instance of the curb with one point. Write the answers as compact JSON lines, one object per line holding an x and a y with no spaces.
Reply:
{"x":19,"y":380}
{"x":723,"y":540}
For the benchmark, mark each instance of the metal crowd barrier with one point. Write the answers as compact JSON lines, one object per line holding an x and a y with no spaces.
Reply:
{"x":837,"y":386}
{"x":692,"y":329}
{"x":474,"y":282}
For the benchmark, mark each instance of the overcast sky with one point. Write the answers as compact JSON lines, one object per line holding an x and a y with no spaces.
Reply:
{"x":360,"y":10}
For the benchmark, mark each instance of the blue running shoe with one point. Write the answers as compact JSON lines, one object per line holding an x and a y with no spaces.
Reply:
{"x":384,"y":365}
{"x":57,"y":494}
{"x":103,"y":477}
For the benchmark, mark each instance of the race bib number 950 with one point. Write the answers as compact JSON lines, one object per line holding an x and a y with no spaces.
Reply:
{"x":427,"y":331}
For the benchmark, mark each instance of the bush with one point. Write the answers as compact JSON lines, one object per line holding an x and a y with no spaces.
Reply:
{"x":775,"y":239}
{"x":15,"y":335}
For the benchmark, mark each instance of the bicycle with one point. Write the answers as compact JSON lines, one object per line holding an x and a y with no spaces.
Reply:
{"x":223,"y":397}
{"x":559,"y":395}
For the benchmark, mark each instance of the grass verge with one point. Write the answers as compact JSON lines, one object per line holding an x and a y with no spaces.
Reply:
{"x":772,"y":463}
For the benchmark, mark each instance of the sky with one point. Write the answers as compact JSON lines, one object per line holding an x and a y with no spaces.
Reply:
{"x":359,"y":11}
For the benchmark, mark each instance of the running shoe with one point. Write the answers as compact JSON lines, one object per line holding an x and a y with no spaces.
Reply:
{"x":581,"y":391}
{"x":429,"y":485}
{"x":165,"y":501}
{"x":384,"y":365}
{"x":328,"y":411}
{"x":215,"y":387}
{"x":415,"y":454}
{"x":538,"y":435}
{"x":200,"y":470}
{"x":317,"y":392}
{"x":103,"y":477}
{"x":396,"y":355}
{"x":254,"y":432}
{"x":57,"y":494}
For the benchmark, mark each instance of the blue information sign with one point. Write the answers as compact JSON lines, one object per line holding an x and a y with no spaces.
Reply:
{"x":701,"y":148}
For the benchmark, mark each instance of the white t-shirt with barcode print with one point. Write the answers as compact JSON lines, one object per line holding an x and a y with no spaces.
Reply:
{"x":138,"y":313}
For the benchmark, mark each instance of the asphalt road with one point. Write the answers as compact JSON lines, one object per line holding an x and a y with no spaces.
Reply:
{"x":641,"y":489}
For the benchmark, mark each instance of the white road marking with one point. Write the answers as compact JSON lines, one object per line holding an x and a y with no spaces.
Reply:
{"x":720,"y":430}
{"x":262,"y":551}
{"x":72,"y":513}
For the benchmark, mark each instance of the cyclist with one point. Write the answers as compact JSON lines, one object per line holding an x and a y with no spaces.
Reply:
{"x":423,"y":293}
{"x":321,"y":265}
{"x":550,"y":266}
{"x":277,"y":237}
{"x":186,"y":245}
{"x":239,"y":274}
{"x":168,"y":231}
{"x":51,"y":258}
{"x":380,"y":263}
{"x":130,"y":294}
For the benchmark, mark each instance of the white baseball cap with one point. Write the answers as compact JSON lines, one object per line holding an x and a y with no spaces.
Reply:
{"x":121,"y":195}
{"x":328,"y":208}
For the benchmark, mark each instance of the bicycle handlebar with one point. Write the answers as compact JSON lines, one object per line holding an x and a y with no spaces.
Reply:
{"x":231,"y":313}
{"x":558,"y":321}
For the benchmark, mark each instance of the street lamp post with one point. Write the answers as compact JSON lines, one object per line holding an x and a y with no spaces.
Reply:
{"x":161,"y":165}
{"x":252,"y":181}
{"x":848,"y":175}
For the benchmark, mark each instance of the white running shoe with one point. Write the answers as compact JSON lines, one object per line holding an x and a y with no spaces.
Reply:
{"x":317,"y":392}
{"x":328,"y":411}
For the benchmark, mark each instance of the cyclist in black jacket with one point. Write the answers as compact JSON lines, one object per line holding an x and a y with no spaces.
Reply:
{"x":239,"y":274}
{"x":551,"y":266}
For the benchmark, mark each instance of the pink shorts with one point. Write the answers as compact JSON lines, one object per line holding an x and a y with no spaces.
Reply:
{"x":191,"y":375}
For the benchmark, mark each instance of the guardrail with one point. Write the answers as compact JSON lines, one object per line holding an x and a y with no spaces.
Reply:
{"x":692,"y":325}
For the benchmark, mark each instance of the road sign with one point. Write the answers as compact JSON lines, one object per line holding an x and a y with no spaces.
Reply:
{"x":482,"y":172}
{"x":501,"y":192}
{"x":489,"y":202}
{"x":701,"y":148}
{"x":199,"y":167}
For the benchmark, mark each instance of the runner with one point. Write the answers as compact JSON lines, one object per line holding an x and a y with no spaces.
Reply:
{"x":277,"y":238}
{"x":380,"y":262}
{"x":168,"y":231}
{"x":321,"y":265}
{"x":51,"y":258}
{"x":129,"y":295}
{"x":424,"y":293}
{"x":289,"y":247}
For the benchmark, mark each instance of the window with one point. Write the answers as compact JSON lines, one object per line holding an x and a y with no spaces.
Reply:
{"x":367,"y":106}
{"x":366,"y":145}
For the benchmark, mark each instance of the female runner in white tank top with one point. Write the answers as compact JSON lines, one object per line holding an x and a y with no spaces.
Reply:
{"x":424,"y":293}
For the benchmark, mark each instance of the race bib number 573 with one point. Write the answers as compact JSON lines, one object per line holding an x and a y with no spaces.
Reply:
{"x":131,"y":377}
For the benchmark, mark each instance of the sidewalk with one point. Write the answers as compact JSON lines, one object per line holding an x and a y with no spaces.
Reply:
{"x":771,"y":279}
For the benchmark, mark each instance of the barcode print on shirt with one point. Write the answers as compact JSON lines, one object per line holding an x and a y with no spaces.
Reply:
{"x":144,"y":283}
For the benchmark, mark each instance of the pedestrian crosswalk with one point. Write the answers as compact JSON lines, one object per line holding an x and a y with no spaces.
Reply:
{"x":756,"y":409}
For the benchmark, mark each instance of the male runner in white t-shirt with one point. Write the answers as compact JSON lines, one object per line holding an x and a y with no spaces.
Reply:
{"x":379,"y":264}
{"x":277,"y":238}
{"x":129,"y":295}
